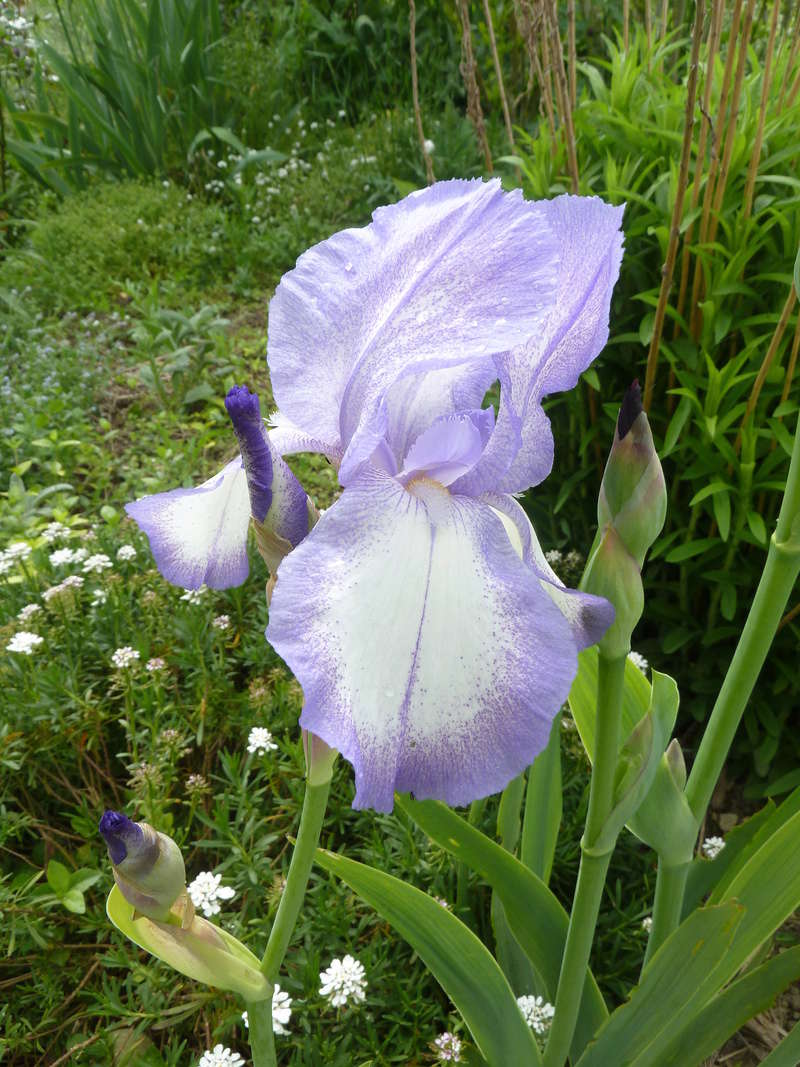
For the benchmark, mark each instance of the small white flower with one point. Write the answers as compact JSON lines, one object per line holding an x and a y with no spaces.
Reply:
{"x":647,"y":923}
{"x":638,"y":660}
{"x":554,"y":557}
{"x":18,"y":550}
{"x":156,"y":664}
{"x":429,"y":146}
{"x":281,"y":1011}
{"x":97,"y":564}
{"x":54,"y":531}
{"x":712,"y":846}
{"x":259,"y":741}
{"x":222,"y":622}
{"x":448,"y":1048}
{"x":61,"y":557}
{"x":124,"y":657}
{"x":24,"y":642}
{"x":126,"y":552}
{"x":443,"y":903}
{"x":538,"y":1014}
{"x":99,"y":596}
{"x":220,"y":1056}
{"x":342,"y":981}
{"x":5,"y":563}
{"x":195,"y":596}
{"x":29,"y":611}
{"x":206,"y":892}
{"x":73,"y":582}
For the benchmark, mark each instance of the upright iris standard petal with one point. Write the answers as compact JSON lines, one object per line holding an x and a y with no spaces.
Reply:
{"x":199,"y":536}
{"x":429,"y":653}
{"x":447,"y":278}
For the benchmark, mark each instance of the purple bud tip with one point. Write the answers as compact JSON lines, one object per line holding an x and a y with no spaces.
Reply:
{"x":630,"y":410}
{"x":241,"y":404}
{"x":116,"y":830}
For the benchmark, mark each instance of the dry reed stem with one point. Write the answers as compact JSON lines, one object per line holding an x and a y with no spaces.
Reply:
{"x":412,"y":34}
{"x":752,"y":170}
{"x":730,"y":133}
{"x":648,"y":29}
{"x":708,"y":193}
{"x":664,"y":18}
{"x":677,"y":210}
{"x":766,"y":363}
{"x":499,"y":72}
{"x":546,"y":68}
{"x":626,"y":16}
{"x":714,"y":33}
{"x":467,"y":67}
{"x":790,"y":62}
{"x":568,"y":129}
{"x":573,"y":57}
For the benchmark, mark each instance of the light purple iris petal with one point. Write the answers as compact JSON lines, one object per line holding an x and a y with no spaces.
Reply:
{"x":588,"y":616}
{"x":521,"y":450}
{"x":428,"y":651}
{"x":288,"y":439}
{"x":449,"y":448}
{"x":450,"y":274}
{"x":199,"y":536}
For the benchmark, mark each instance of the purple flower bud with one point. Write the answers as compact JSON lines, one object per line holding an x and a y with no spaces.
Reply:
{"x":148,"y":866}
{"x":245,"y":412}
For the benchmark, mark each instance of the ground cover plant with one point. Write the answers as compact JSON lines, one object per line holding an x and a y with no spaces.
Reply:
{"x":130,"y":311}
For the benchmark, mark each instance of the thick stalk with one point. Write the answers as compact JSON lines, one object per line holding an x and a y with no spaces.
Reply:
{"x":262,"y":1040}
{"x":777,"y":580}
{"x":592,"y":873}
{"x":297,"y":879}
{"x":670,"y":886}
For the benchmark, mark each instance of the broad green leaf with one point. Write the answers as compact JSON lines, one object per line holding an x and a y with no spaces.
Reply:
{"x":203,"y":951}
{"x":74,"y":901}
{"x":787,"y":1054}
{"x":535,"y":917}
{"x":679,"y":977}
{"x":724,"y":1014}
{"x":57,"y":877}
{"x":543,"y":807}
{"x":461,"y":964}
{"x":690,"y":549}
{"x":758,"y":527}
{"x":709,"y":490}
{"x":583,"y":698}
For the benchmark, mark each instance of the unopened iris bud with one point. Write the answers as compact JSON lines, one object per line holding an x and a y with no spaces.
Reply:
{"x":148,"y":865}
{"x":633,"y":494}
{"x":320,"y":759}
{"x":282,"y":513}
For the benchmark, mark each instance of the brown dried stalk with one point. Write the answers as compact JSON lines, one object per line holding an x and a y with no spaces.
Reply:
{"x":714,"y":33}
{"x":790,"y":62}
{"x":468,"y":73}
{"x":499,"y":72}
{"x":547,"y":71}
{"x":719,"y":127}
{"x":752,"y":170}
{"x":766,"y":363}
{"x":677,"y":210}
{"x":573,"y":57}
{"x":664,"y":17}
{"x":626,"y":16}
{"x":730,"y":133}
{"x":412,"y":34}
{"x":551,"y":18}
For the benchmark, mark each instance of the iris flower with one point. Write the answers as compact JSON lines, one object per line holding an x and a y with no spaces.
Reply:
{"x":433,"y":641}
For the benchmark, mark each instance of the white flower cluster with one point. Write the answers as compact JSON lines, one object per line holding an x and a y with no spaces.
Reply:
{"x":125,"y":657}
{"x":97,"y":563}
{"x":64,"y":589}
{"x":259,"y":741}
{"x":281,"y":1011}
{"x":448,"y":1048}
{"x":638,"y":660}
{"x":19,"y":550}
{"x":156,"y":664}
{"x":62,"y":556}
{"x":24,"y":642}
{"x":206,"y":892}
{"x":55,"y":531}
{"x":126,"y":552}
{"x":222,"y":622}
{"x":195,"y":596}
{"x":647,"y":923}
{"x":712,"y":846}
{"x":220,"y":1056}
{"x":538,"y":1014}
{"x":29,"y":611}
{"x":344,"y":980}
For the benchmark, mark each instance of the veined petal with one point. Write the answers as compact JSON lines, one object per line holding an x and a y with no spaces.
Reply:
{"x":572,"y":336}
{"x":456,"y":271}
{"x":588,"y":616}
{"x":429,"y":654}
{"x":450,"y":447}
{"x":199,"y":536}
{"x":288,"y":439}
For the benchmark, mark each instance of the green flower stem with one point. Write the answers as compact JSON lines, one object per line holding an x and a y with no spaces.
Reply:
{"x":594,"y":866}
{"x":670,"y":887}
{"x":777,"y":580}
{"x":305,"y":848}
{"x":262,"y":1040}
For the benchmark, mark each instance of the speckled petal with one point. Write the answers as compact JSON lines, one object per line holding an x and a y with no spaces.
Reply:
{"x":448,"y":275}
{"x":588,"y":616}
{"x":429,"y":654}
{"x":199,"y":536}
